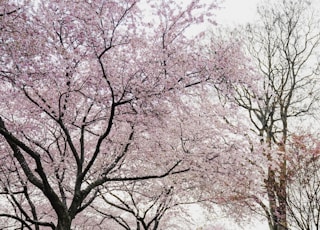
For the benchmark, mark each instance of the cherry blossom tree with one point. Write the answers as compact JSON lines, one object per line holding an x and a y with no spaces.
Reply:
{"x":136,"y":208}
{"x":85,"y":88}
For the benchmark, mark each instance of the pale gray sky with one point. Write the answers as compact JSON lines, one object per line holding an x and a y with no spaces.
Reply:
{"x":235,"y":12}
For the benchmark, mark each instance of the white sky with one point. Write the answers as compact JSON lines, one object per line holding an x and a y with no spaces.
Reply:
{"x":234,"y":12}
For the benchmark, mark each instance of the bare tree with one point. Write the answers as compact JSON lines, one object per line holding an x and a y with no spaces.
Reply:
{"x":303,"y":188}
{"x":283,"y":45}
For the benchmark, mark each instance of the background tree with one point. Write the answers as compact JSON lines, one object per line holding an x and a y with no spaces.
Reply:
{"x":283,"y":46}
{"x":303,"y":189}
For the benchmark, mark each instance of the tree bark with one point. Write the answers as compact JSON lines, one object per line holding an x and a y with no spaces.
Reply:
{"x":64,"y":223}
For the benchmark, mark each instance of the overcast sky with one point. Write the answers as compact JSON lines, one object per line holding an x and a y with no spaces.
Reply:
{"x":235,"y":12}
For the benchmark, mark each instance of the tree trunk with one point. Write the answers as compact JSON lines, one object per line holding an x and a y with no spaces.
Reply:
{"x":277,"y":194}
{"x":64,"y":223}
{"x":282,"y":196}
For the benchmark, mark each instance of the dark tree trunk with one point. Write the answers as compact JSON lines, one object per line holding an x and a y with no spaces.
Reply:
{"x":64,"y":223}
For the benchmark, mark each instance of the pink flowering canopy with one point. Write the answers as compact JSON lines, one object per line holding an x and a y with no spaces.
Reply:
{"x":89,"y":91}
